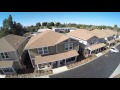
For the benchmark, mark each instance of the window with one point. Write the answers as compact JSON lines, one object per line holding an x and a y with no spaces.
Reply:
{"x":43,"y":50}
{"x":4,"y":55}
{"x":7,"y":69}
{"x":68,"y":46}
{"x":40,"y":51}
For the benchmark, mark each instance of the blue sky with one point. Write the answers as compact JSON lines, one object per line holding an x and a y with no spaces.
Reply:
{"x":93,"y":18}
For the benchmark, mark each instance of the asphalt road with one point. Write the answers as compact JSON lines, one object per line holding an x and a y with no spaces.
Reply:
{"x":102,"y":67}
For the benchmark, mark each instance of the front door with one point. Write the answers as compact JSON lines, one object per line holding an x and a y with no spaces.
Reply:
{"x":55,"y":64}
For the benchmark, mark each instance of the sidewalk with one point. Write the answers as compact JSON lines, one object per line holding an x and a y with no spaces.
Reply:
{"x":116,"y":72}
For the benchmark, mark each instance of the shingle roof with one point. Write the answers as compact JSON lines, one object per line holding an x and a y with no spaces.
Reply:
{"x":44,"y":39}
{"x":81,"y":34}
{"x":11,"y":42}
{"x":96,"y":46}
{"x":111,"y":41}
{"x":6,"y":64}
{"x":102,"y":33}
{"x":55,"y":57}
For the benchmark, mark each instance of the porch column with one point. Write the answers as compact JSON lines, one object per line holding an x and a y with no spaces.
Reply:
{"x":90,"y":52}
{"x":58,"y":63}
{"x":13,"y":70}
{"x":38,"y":67}
{"x":3,"y":70}
{"x":99,"y":49}
{"x":75,"y":58}
{"x":65,"y":61}
{"x":51,"y":65}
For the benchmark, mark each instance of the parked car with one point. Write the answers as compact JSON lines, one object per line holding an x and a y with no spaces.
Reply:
{"x":113,"y":49}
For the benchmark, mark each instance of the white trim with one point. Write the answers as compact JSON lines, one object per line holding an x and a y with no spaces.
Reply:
{"x":13,"y":70}
{"x":16,"y":55}
{"x":18,"y":59}
{"x":3,"y":70}
{"x":30,"y":58}
{"x":38,"y":67}
{"x":20,"y":64}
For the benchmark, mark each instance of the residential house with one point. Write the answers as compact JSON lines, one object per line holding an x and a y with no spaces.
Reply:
{"x":50,"y":49}
{"x":11,"y":53}
{"x":87,"y":42}
{"x":105,"y":36}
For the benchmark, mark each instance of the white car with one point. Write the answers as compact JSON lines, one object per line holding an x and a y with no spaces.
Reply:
{"x":113,"y":49}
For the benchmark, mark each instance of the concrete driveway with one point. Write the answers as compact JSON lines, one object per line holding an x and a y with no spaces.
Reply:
{"x":102,"y":67}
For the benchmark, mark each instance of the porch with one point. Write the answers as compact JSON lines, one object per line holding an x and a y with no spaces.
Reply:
{"x":96,"y":48}
{"x":6,"y":67}
{"x":55,"y":61}
{"x":111,"y":43}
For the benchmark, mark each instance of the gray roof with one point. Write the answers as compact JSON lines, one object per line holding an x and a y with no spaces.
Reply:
{"x":11,"y":42}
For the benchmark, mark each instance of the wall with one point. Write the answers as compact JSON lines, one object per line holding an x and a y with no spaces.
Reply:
{"x":12,"y":56}
{"x":92,"y":40}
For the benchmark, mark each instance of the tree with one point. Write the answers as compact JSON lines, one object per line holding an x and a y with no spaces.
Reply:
{"x":115,"y":27}
{"x":58,"y":24}
{"x":44,"y":24}
{"x":52,"y":24}
{"x":38,"y":24}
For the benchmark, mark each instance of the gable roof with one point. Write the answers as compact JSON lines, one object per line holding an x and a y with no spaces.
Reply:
{"x":81,"y":34}
{"x":102,"y":33}
{"x":11,"y":42}
{"x":44,"y":39}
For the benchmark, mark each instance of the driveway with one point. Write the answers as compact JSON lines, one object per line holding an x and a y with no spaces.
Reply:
{"x":102,"y":67}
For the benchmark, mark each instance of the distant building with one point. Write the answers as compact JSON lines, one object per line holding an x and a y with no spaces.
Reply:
{"x":63,"y":29}
{"x":42,"y":30}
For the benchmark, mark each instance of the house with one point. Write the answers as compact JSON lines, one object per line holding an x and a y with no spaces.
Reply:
{"x":105,"y":36}
{"x":87,"y":42}
{"x":62,"y":29}
{"x":49,"y":49}
{"x":11,"y":53}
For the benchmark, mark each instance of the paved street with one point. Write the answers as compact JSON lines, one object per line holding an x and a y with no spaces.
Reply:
{"x":102,"y":67}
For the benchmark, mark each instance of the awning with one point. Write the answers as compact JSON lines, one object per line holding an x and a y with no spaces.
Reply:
{"x":55,"y":57}
{"x":112,"y":41}
{"x":5,"y":64}
{"x":96,"y":46}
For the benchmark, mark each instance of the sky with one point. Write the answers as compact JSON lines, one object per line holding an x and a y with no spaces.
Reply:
{"x":89,"y":18}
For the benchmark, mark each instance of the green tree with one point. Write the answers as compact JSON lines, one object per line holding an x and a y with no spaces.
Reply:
{"x":44,"y":24}
{"x":58,"y":24}
{"x":115,"y":27}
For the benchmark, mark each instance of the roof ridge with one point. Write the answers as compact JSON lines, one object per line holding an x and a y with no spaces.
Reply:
{"x":43,"y":33}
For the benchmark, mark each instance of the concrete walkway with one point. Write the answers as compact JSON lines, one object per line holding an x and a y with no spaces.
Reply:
{"x":46,"y":76}
{"x":59,"y":70}
{"x":2,"y":76}
{"x":99,"y":54}
{"x":116,"y":72}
